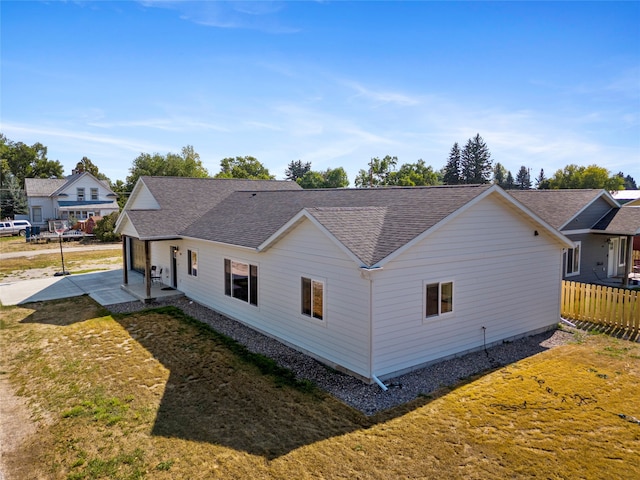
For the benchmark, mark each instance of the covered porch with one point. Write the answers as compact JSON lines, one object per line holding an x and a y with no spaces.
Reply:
{"x":137,"y":286}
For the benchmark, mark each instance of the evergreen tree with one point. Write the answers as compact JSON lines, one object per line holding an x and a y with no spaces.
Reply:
{"x":476,"y":161}
{"x":523,"y":178}
{"x":629,"y":182}
{"x":542,"y":183}
{"x":296,"y":169}
{"x":509,"y":183}
{"x":451,"y":172}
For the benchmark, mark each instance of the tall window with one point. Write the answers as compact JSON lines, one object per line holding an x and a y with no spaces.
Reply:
{"x":622,"y":252}
{"x":37,"y":214}
{"x":438,"y":299}
{"x":313,"y":298}
{"x":573,"y":260}
{"x":192,"y":262}
{"x":241,"y":281}
{"x":80,"y":194}
{"x":94,"y":194}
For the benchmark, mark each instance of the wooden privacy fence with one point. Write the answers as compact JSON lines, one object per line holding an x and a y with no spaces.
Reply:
{"x":613,"y":307}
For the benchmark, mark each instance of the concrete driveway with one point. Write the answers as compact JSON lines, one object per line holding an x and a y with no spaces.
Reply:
{"x":103,"y":287}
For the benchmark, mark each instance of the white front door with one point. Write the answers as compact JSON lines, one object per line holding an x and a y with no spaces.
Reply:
{"x":614,"y":245}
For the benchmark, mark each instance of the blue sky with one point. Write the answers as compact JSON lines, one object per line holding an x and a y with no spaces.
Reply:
{"x":546,"y":84}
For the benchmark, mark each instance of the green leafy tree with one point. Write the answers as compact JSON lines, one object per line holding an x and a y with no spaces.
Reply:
{"x":105,"y":228}
{"x":86,"y":165}
{"x":243,"y":167}
{"x":379,"y":172}
{"x":24,"y":161}
{"x":331,"y":178}
{"x":499,"y":175}
{"x":451,"y":171}
{"x":296,"y":169}
{"x":593,"y":176}
{"x":414,"y":174}
{"x":185,"y":164}
{"x":523,"y":178}
{"x":476,"y":161}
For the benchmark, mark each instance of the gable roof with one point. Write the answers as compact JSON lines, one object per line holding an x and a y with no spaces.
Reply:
{"x":620,"y":221}
{"x":559,"y":207}
{"x":47,"y":187}
{"x":182,"y":200}
{"x":42,"y":187}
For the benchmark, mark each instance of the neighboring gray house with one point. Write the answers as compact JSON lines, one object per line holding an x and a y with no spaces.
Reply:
{"x":76,"y":197}
{"x":374,"y":282}
{"x":601,"y":230}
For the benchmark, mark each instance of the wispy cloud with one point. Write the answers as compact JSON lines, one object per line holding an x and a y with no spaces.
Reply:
{"x":177,"y":124}
{"x":381,"y":97}
{"x":261,"y":16}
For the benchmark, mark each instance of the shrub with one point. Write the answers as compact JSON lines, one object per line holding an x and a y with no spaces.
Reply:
{"x":104,"y":229}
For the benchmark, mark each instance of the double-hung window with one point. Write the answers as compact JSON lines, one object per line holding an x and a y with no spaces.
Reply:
{"x":573,"y":260}
{"x":312,"y":298}
{"x":80,"y":194}
{"x":192,"y":262}
{"x":94,"y":194}
{"x":241,"y":281}
{"x":438,"y":299}
{"x":622,"y":252}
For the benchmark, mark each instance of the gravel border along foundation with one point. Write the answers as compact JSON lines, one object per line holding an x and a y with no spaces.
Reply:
{"x":369,"y":399}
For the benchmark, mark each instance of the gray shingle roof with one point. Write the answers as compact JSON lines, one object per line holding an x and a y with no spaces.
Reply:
{"x":183,"y":200}
{"x":42,"y":187}
{"x":621,"y":221}
{"x":556,"y":207}
{"x":390,"y":217}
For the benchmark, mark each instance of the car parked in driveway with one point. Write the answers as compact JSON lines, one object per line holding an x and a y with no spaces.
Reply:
{"x":14,"y":227}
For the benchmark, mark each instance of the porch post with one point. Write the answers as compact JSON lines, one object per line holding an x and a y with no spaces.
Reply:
{"x":628,"y":264}
{"x":125,"y":268}
{"x":147,"y":269}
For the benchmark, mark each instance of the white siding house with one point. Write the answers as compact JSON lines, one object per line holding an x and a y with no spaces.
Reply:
{"x":374,"y":282}
{"x":76,"y":197}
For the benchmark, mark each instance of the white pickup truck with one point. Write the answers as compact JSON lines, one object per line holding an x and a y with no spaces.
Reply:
{"x":14,"y":227}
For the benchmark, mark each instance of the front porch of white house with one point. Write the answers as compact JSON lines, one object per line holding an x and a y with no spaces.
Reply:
{"x":145,"y":285}
{"x":136,"y":285}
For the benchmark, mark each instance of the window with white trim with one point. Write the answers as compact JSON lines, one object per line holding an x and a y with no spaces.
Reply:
{"x":438,"y":299}
{"x":622,"y":252}
{"x":312,"y":298}
{"x":241,"y":281}
{"x":572,"y":266}
{"x":94,"y":194}
{"x":80,"y":194}
{"x":192,"y":262}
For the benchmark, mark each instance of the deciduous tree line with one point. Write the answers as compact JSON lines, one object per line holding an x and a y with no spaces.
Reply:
{"x":471,"y":164}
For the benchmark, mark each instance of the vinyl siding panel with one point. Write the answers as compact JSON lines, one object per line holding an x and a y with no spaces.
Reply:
{"x":505,"y":279}
{"x":589,"y":216}
{"x":342,"y":339}
{"x":593,"y":258}
{"x":143,"y":200}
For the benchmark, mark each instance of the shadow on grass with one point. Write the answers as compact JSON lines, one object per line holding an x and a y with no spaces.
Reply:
{"x":220,"y":393}
{"x":615,"y":331}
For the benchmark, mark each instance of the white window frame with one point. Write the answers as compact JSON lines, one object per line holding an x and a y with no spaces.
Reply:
{"x":425,"y":302}
{"x":192,"y":266}
{"x":80,"y":194}
{"x":572,"y":252}
{"x":253,"y":281}
{"x":94,"y":193}
{"x":313,"y":281}
{"x":622,"y":252}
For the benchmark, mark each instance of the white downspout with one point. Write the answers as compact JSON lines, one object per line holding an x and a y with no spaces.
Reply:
{"x":367,"y":275}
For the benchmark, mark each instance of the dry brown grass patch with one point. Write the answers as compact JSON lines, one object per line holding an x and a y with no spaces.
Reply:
{"x":152,"y":395}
